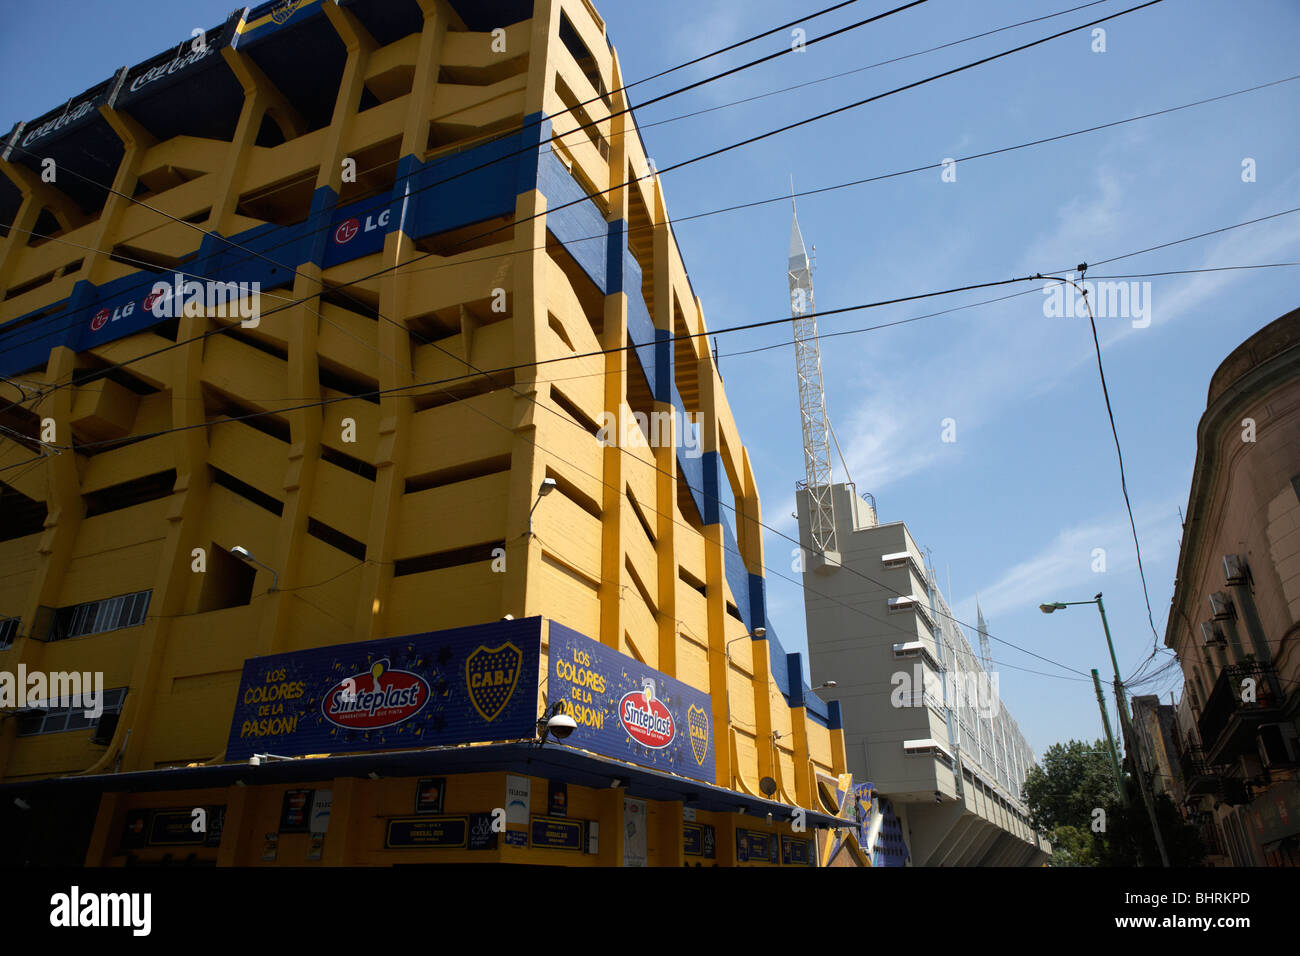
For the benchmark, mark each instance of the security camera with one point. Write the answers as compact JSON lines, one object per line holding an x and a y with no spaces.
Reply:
{"x":561,"y":725}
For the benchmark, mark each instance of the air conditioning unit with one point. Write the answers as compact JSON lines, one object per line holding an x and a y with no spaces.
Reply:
{"x":1211,"y":636}
{"x":1277,"y":746}
{"x":1221,"y":608}
{"x":104,"y":730}
{"x":1235,"y":569}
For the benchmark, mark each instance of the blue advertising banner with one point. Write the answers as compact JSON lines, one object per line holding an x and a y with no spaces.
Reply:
{"x":456,"y":686}
{"x":629,"y":711}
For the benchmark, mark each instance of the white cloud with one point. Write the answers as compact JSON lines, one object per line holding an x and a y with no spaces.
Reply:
{"x":1065,"y":564}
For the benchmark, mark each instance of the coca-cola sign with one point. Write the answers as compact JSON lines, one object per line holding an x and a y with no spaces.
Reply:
{"x":202,"y":47}
{"x":81,"y":107}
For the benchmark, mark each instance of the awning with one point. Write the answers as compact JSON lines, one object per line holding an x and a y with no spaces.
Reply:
{"x":554,"y":761}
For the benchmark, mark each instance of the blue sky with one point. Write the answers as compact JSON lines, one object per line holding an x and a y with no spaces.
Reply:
{"x":1015,"y":507}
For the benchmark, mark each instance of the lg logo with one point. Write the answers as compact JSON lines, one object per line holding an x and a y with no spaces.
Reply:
{"x":347,"y":230}
{"x":104,"y":316}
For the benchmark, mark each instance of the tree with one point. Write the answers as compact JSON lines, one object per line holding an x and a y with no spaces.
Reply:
{"x":1070,"y":782}
{"x":1072,"y":846}
{"x":1071,"y":796}
{"x":1130,"y":828}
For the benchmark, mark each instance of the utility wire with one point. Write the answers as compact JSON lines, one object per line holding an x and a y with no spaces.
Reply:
{"x":384,"y":165}
{"x":338,"y":287}
{"x":863,"y":69}
{"x":1119,"y":453}
{"x":37,"y":333}
{"x":530,"y":149}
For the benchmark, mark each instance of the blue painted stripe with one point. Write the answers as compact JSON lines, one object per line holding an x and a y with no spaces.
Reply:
{"x":794,"y":671}
{"x":575,"y":220}
{"x":478,"y":196}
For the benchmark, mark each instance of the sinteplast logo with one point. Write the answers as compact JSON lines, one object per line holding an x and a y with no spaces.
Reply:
{"x":78,"y":909}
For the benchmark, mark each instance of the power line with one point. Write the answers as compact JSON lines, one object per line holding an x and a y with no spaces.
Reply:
{"x":384,"y":165}
{"x":38,"y":333}
{"x":863,"y":69}
{"x":710,"y":154}
{"x":1119,"y":452}
{"x":465,"y":172}
{"x":785,"y":319}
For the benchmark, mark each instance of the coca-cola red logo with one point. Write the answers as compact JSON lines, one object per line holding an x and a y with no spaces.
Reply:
{"x":100,"y":320}
{"x":646,"y":719}
{"x":378,"y":698}
{"x":346,"y":230}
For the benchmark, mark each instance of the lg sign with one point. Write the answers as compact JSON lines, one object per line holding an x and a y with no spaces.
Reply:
{"x":348,"y":229}
{"x":104,"y":316}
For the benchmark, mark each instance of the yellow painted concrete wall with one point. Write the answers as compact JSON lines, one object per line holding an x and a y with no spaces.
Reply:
{"x":455,"y":468}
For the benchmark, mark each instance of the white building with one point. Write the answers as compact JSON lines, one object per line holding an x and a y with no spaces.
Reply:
{"x":923,"y":719}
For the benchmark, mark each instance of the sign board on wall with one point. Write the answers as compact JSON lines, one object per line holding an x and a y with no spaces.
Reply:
{"x":628,"y":711}
{"x":178,"y":826}
{"x":699,"y":839}
{"x":519,"y":792}
{"x":192,"y":55}
{"x":409,"y":833}
{"x":320,"y":811}
{"x":456,"y":686}
{"x":634,"y":841}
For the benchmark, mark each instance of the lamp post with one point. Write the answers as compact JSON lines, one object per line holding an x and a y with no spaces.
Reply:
{"x":1125,"y":724}
{"x":757,"y":634}
{"x":547,"y":486}
{"x":244,"y":555}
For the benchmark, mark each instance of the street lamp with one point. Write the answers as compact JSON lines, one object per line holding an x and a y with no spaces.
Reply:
{"x":1122,"y":704}
{"x":548,"y":485}
{"x":757,"y":634}
{"x":245,"y":555}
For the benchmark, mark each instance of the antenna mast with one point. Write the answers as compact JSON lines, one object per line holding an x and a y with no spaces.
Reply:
{"x":986,"y":651}
{"x":812,"y":397}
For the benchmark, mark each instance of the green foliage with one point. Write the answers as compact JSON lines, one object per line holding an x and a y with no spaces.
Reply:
{"x":1072,"y":846}
{"x":1128,"y":829}
{"x":1071,"y":783}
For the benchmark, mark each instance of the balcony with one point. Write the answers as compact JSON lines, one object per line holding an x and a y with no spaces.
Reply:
{"x":1228,"y":723}
{"x":1199,"y":777}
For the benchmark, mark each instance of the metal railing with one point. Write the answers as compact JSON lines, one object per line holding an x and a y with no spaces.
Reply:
{"x":1227,"y":699}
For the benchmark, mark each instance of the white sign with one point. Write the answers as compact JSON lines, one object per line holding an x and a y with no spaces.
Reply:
{"x":320,"y":811}
{"x":519,"y":792}
{"x":634,"y":843}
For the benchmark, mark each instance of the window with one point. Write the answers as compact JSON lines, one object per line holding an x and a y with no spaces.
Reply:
{"x":96,"y":617}
{"x":8,"y":631}
{"x":67,"y":714}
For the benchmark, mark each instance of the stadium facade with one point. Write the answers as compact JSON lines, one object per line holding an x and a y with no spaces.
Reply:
{"x":357,"y":413}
